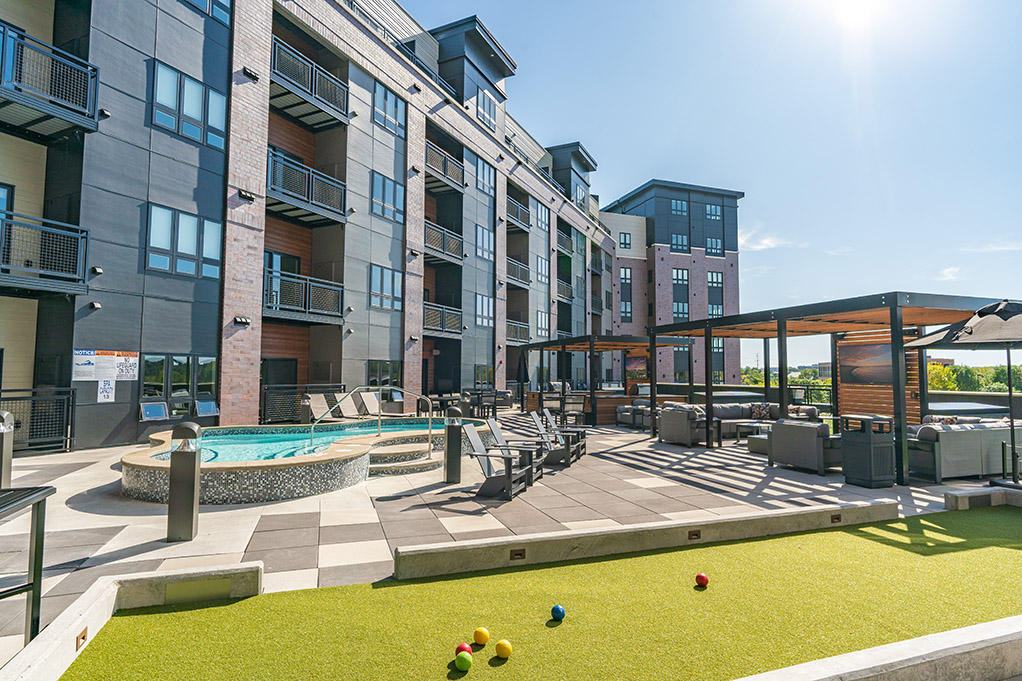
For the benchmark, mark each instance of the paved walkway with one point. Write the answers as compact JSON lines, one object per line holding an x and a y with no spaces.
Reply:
{"x":348,"y":536}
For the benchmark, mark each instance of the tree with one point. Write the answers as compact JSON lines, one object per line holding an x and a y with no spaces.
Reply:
{"x":752,"y":376}
{"x":940,"y":377}
{"x":965,"y":377}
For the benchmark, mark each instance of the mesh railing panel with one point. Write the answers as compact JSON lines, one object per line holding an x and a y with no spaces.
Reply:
{"x":331,"y":91}
{"x":40,"y":421}
{"x":288,"y":178}
{"x":324,"y":299}
{"x":434,"y":158}
{"x":517,"y":271}
{"x":327,"y":193}
{"x":283,"y":404}
{"x":564,"y":289}
{"x":517,"y":331}
{"x":40,"y":249}
{"x":455,"y":171}
{"x":517,"y":211}
{"x":453,"y":321}
{"x":37,"y":69}
{"x":454,"y":245}
{"x":432,"y":317}
{"x":434,"y":238}
{"x":564,"y":241}
{"x":292,"y":66}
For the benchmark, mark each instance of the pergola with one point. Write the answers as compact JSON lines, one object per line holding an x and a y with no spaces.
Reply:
{"x":894,"y":311}
{"x":591,"y":344}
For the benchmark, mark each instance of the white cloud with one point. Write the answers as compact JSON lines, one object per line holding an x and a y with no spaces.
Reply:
{"x":844,"y":250}
{"x":949,"y":274}
{"x":749,"y":240}
{"x":996,"y":247}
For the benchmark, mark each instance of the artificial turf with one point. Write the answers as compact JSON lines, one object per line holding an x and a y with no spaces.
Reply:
{"x":771,"y":603}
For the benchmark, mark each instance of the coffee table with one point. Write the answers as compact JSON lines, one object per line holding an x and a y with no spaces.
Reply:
{"x":750,"y":427}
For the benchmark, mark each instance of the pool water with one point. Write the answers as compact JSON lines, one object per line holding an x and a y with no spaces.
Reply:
{"x":261,"y":444}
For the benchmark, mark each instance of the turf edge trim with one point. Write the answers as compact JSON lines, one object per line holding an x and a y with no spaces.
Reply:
{"x":49,"y":655}
{"x":981,"y":652}
{"x":432,"y":560}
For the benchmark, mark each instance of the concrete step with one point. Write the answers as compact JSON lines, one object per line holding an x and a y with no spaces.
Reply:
{"x":407,"y":451}
{"x":431,"y":463}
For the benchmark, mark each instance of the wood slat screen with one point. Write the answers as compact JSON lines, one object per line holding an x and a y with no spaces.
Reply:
{"x":878,"y":399}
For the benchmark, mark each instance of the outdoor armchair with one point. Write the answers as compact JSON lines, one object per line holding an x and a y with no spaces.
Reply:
{"x":534,"y":450}
{"x":560,"y":449}
{"x":505,"y":474}
{"x":803,"y":444}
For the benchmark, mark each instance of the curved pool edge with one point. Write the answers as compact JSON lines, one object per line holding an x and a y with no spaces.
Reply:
{"x":343,"y":463}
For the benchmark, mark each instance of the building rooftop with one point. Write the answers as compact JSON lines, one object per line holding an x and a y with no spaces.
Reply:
{"x":669,"y":184}
{"x":473,"y":25}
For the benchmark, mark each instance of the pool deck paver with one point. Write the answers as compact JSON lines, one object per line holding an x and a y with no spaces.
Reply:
{"x":348,"y":536}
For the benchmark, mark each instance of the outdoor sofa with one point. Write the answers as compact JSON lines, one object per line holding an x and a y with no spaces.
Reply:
{"x":958,"y":446}
{"x":684,"y":424}
{"x":803,"y":444}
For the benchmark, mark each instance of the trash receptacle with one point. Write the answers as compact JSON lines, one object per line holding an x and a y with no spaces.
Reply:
{"x":867,"y":450}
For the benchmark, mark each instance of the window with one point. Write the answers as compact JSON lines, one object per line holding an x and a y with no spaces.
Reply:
{"x":626,"y":275}
{"x":388,"y":110}
{"x":543,"y":323}
{"x":581,"y":196}
{"x":187,"y":383}
{"x":218,"y":9}
{"x":205,"y":376}
{"x":484,"y":310}
{"x":189,"y":108}
{"x":624,"y":240}
{"x":388,"y":198}
{"x":182,"y":243}
{"x":715,"y":279}
{"x":484,"y":375}
{"x":381,"y":372}
{"x":626,"y":310}
{"x":484,"y":242}
{"x":486,"y":108}
{"x":714,"y":310}
{"x":580,"y":241}
{"x":680,"y":311}
{"x":679,"y":243}
{"x":681,"y":364}
{"x":717,"y":355}
{"x":384,"y":288}
{"x":712,"y":212}
{"x":542,"y":270}
{"x":679,"y":207}
{"x":714,"y":246}
{"x":542,"y":217}
{"x":154,"y":375}
{"x":485,"y":179}
{"x":679,"y":276}
{"x":715,"y":294}
{"x":608,"y":303}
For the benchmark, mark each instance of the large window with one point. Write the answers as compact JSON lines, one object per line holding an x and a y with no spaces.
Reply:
{"x":543,"y":323}
{"x":484,"y":375}
{"x":382,"y":372}
{"x":626,"y":310}
{"x":717,"y":356}
{"x":542,"y":270}
{"x":388,"y":198}
{"x":542,"y":217}
{"x":183,"y":243}
{"x":485,"y":177}
{"x":679,"y":207}
{"x":384,"y":288}
{"x":679,"y":243}
{"x":388,"y":110}
{"x":189,"y":108}
{"x":679,"y":275}
{"x":715,"y":279}
{"x":624,"y":240}
{"x":712,"y":212}
{"x":486,"y":108}
{"x":626,"y":275}
{"x":714,"y":246}
{"x":680,"y":311}
{"x":484,"y":242}
{"x":218,"y":9}
{"x":682,"y":356}
{"x":186,"y":382}
{"x":484,"y":310}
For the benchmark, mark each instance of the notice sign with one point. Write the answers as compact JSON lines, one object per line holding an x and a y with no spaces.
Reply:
{"x":100,"y":365}
{"x":84,"y":367}
{"x":127,"y":366}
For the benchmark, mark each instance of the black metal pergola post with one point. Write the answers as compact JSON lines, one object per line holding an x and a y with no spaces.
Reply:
{"x":782,"y":368}
{"x":562,"y":371}
{"x":898,"y":388}
{"x":691,"y":373}
{"x":766,"y":369}
{"x":834,"y":409}
{"x":523,"y":373}
{"x":592,"y":381}
{"x":652,"y":381}
{"x":708,"y":378}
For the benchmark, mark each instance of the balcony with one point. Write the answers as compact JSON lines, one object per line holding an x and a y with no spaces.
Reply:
{"x":44,"y":92}
{"x":446,"y":320}
{"x":518,"y":215}
{"x":445,"y":173}
{"x":443,"y":244}
{"x":597,"y":305}
{"x":42,"y":255}
{"x":596,"y":264}
{"x":564,"y":291}
{"x":517,"y":332}
{"x":300,"y":298}
{"x":518,"y":273}
{"x":304,"y":91}
{"x":564,"y":243}
{"x":563,"y":334}
{"x":298,"y":193}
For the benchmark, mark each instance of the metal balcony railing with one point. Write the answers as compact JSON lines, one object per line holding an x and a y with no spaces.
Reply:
{"x":443,"y":163}
{"x":308,"y":76}
{"x":517,"y":332}
{"x":518,"y":272}
{"x":441,"y":318}
{"x":444,"y":241}
{"x":564,"y":290}
{"x":42,"y":254}
{"x":298,"y":293}
{"x":563,"y":334}
{"x":518,"y":213}
{"x":596,"y":264}
{"x":293,"y":179}
{"x":597,"y":304}
{"x":594,"y":208}
{"x":49,"y":76}
{"x":564,"y":242}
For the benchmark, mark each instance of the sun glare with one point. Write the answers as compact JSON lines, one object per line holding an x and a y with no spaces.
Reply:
{"x":858,"y":16}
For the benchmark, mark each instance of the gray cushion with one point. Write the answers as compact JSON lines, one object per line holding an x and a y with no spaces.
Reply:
{"x":625,"y":410}
{"x":775,"y":411}
{"x":674,"y":405}
{"x":821,"y":428}
{"x":640,"y":403}
{"x":727,"y":411}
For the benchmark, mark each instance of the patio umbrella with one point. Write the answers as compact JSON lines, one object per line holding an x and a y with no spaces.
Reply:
{"x":998,"y":325}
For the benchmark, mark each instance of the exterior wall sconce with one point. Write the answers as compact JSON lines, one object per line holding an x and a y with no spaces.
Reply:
{"x":246,"y":195}
{"x":412,"y":252}
{"x":96,"y":305}
{"x":242,"y":321}
{"x":500,"y":157}
{"x":96,"y":269}
{"x":447,"y":100}
{"x":415,"y":169}
{"x":351,"y":210}
{"x":414,"y":339}
{"x":250,"y":74}
{"x":348,"y":332}
{"x":105,"y":114}
{"x":349,"y":309}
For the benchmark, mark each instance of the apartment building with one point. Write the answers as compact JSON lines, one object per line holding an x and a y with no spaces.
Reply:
{"x":676,"y":259}
{"x":203,"y":200}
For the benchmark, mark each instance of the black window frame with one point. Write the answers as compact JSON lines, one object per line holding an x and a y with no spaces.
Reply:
{"x":485,"y":169}
{"x":624,"y":240}
{"x":542,"y":270}
{"x":625,"y":275}
{"x":679,"y":243}
{"x":485,"y":312}
{"x":714,"y":246}
{"x":680,"y":310}
{"x":377,"y":298}
{"x":187,"y":400}
{"x":626,"y":310}
{"x":543,"y":323}
{"x":208,"y":134}
{"x":203,"y":263}
{"x":391,"y":369}
{"x":679,"y":207}
{"x":485,"y":242}
{"x":217,"y":9}
{"x":713,"y":211}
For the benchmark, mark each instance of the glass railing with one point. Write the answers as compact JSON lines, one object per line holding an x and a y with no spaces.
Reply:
{"x":308,"y":76}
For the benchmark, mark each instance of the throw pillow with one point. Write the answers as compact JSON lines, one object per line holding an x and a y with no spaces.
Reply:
{"x":760,"y":411}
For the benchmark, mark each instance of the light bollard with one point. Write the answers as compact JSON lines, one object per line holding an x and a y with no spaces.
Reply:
{"x":6,"y":448}
{"x":452,"y":446}
{"x":183,"y":499}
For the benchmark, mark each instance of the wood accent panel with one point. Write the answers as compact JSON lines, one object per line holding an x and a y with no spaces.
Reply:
{"x":429,"y":284}
{"x":878,"y":399}
{"x":293,"y":138}
{"x":427,"y":354}
{"x":430,"y":207}
{"x":286,"y":237}
{"x":287,"y":341}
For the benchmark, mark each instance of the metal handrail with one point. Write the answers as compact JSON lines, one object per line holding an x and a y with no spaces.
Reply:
{"x":309,"y":76}
{"x":314,"y":184}
{"x":274,"y":298}
{"x":443,"y":240}
{"x":518,"y":212}
{"x":444,"y":163}
{"x":379,"y":411}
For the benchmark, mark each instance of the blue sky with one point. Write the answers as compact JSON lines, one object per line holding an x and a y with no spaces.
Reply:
{"x":878,"y":143}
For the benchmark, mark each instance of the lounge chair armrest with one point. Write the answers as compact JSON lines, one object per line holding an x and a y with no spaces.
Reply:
{"x":488,"y":455}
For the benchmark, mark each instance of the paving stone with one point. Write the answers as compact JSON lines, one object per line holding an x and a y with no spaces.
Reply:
{"x":340,"y":534}
{"x":411,"y":528}
{"x":338,"y":575}
{"x":287,"y":521}
{"x":277,"y":539}
{"x":279,"y":560}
